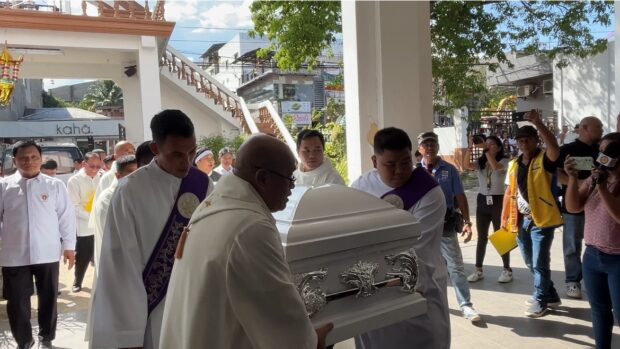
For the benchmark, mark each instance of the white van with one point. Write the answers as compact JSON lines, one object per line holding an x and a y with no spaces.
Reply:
{"x":63,"y":153}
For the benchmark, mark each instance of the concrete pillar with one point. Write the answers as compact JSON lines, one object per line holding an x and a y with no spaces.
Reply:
{"x":387,"y":73}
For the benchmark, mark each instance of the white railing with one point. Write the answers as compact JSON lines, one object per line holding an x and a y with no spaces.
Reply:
{"x":284,"y":133}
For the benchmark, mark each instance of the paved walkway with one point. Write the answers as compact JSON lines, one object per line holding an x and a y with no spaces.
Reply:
{"x":501,"y":306}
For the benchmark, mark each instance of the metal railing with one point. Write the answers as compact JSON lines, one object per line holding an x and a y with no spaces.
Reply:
{"x":189,"y":72}
{"x":118,"y":9}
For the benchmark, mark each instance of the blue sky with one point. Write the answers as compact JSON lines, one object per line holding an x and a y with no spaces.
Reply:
{"x":200,"y":24}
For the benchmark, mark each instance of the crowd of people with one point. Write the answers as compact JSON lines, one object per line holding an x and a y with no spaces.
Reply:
{"x":187,"y":253}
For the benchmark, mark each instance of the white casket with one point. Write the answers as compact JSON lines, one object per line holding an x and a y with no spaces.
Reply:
{"x":336,"y":241}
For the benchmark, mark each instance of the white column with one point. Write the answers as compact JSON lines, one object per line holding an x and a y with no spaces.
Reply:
{"x":148,"y":76}
{"x":132,"y":107}
{"x":387,"y":72}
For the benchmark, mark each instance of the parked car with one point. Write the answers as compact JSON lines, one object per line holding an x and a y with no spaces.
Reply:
{"x":63,"y":153}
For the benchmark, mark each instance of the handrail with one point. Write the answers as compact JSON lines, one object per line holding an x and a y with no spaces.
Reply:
{"x":288,"y":139}
{"x":205,"y":83}
{"x":120,"y":9}
{"x":248,"y":117}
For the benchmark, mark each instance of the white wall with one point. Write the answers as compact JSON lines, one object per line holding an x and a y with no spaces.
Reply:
{"x":205,"y":120}
{"x":587,"y":87}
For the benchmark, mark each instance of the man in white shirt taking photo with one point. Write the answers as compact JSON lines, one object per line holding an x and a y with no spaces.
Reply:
{"x":38,"y":221}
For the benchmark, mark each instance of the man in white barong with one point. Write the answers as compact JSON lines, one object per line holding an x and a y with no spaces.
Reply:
{"x":121,"y":148}
{"x":231,"y":286}
{"x":314,"y":170}
{"x":395,"y":179}
{"x":147,"y":213}
{"x":123,"y":167}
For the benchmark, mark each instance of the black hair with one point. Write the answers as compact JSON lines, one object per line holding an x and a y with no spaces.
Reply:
{"x":482,"y":160}
{"x":50,"y":165}
{"x":417,"y":153}
{"x":614,"y":137}
{"x":90,"y":155}
{"x":108,"y":159}
{"x":124,"y":161}
{"x":25,"y":144}
{"x":144,"y":155}
{"x":391,"y":138}
{"x":79,"y":160}
{"x":171,"y":122}
{"x":309,"y":133}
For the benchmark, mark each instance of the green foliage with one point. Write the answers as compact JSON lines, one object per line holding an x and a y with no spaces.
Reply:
{"x":215,"y":142}
{"x":336,"y":148}
{"x":298,"y":30}
{"x":50,"y":101}
{"x":332,"y":111}
{"x":465,"y":36}
{"x":104,"y":93}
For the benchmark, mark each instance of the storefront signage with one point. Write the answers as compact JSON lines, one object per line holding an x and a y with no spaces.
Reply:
{"x":59,"y":129}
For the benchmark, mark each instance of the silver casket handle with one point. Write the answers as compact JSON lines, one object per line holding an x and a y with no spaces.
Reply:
{"x":314,"y":297}
{"x":407,"y":269}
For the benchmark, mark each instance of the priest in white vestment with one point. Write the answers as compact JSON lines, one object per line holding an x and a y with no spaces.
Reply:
{"x":108,"y":179}
{"x":138,"y":212}
{"x":393,"y":169}
{"x":231,"y":286}
{"x":314,"y":170}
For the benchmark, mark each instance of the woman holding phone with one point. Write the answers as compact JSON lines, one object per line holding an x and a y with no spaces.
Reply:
{"x":599,"y":198}
{"x":491,"y":170}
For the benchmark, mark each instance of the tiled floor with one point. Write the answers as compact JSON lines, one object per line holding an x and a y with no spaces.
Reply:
{"x":501,"y":306}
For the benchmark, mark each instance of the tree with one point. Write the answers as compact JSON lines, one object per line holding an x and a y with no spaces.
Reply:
{"x":104,"y":93}
{"x":467,"y":36}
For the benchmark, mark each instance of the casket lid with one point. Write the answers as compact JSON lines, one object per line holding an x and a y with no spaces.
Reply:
{"x":332,"y":218}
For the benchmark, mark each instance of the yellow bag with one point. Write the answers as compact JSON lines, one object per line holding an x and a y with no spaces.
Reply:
{"x":503,"y":241}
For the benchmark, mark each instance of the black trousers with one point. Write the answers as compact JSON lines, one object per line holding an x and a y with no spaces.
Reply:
{"x":17,"y":290}
{"x":485,"y":214}
{"x":84,"y":250}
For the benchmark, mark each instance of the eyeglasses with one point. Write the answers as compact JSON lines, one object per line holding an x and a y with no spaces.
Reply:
{"x":290,"y":179}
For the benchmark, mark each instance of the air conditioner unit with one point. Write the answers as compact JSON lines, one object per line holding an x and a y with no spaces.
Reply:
{"x":548,"y":86}
{"x":524,"y":90}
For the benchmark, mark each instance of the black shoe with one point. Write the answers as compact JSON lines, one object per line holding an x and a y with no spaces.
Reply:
{"x":27,"y":345}
{"x":76,"y":289}
{"x":45,"y":345}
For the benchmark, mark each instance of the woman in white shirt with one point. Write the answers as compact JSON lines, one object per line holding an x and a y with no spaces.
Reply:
{"x":491,"y":169}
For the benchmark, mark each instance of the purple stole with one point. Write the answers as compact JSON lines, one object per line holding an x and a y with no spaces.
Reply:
{"x":156,"y":274}
{"x":420,"y":182}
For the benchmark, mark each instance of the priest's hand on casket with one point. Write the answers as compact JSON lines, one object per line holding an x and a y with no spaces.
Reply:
{"x":321,"y":333}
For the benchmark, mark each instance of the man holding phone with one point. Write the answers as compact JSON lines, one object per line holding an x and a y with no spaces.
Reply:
{"x":584,"y":150}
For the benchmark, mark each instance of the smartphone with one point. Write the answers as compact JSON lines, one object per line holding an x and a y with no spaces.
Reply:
{"x":518,"y":115}
{"x":583,"y":163}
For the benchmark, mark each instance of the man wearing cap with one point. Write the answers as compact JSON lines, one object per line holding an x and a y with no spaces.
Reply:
{"x":531,"y":209}
{"x":226,"y":157}
{"x":204,"y":162}
{"x":448,"y":178}
{"x":49,"y":168}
